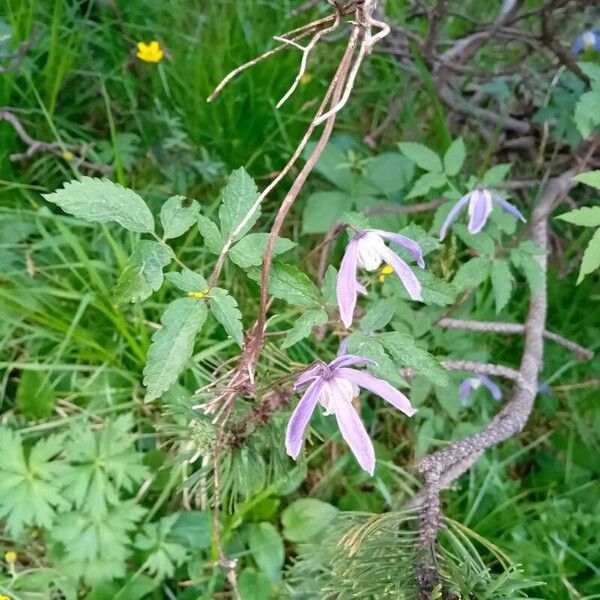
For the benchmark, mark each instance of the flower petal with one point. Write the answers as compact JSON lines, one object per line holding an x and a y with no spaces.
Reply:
{"x":578,"y":44}
{"x":346,"y":283}
{"x":453,"y":215}
{"x":379,"y":387}
{"x":311,"y":373}
{"x":346,"y":360}
{"x":480,"y":208}
{"x":355,"y":434}
{"x":509,"y":208}
{"x":464,"y":390}
{"x":408,"y":278}
{"x":298,"y":422}
{"x":405,"y":242}
{"x":490,"y":385}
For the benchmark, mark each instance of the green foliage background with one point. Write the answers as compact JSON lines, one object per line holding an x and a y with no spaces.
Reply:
{"x":103,"y":496}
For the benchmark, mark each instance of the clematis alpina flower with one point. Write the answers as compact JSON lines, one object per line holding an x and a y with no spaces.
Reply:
{"x":474,"y":383}
{"x":480,"y":208}
{"x":588,"y":40}
{"x":334,"y":386}
{"x":367,"y":249}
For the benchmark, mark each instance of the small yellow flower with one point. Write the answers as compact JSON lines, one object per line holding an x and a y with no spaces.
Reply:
{"x":68,"y":156}
{"x":199,"y":294}
{"x":151,"y":52}
{"x":384,"y":272}
{"x":306,"y":79}
{"x":3,"y":597}
{"x":10,"y":557}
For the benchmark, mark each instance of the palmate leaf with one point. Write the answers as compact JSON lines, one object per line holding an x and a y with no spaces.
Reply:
{"x":143,"y":273}
{"x":239,"y":195}
{"x":30,"y":485}
{"x":172,"y":344}
{"x":177,"y":215}
{"x":102,"y":463}
{"x":96,"y":546}
{"x":100,"y":201}
{"x":225,"y":309}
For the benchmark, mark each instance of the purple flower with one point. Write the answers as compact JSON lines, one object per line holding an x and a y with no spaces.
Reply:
{"x":334,"y":386}
{"x":588,"y":40}
{"x":367,"y":249}
{"x":480,"y":207}
{"x":473,"y":383}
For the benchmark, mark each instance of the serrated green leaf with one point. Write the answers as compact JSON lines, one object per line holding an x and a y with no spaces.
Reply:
{"x":172,"y":344}
{"x":502,"y":283}
{"x":422,"y":156}
{"x":496,"y":174}
{"x":481,"y":242}
{"x":192,"y":529}
{"x":355,"y":219}
{"x":303,"y":326}
{"x":332,"y":164}
{"x":239,"y":195}
{"x":425,"y":183}
{"x":455,"y":157}
{"x":188,"y":281}
{"x":328,"y":287}
{"x":529,"y":266}
{"x":35,"y":395}
{"x":143,"y":273}
{"x":305,"y":518}
{"x":250,"y":250}
{"x":379,"y":314}
{"x":266,"y":546}
{"x":586,"y":216}
{"x":417,"y":234}
{"x":591,"y":257}
{"x":177,"y":215}
{"x":100,"y":201}
{"x":388,"y":172}
{"x":587,"y":109}
{"x":405,"y":351}
{"x":225,"y":309}
{"x":591,"y":178}
{"x":290,"y":284}
{"x":322,"y":210}
{"x":472,"y":273}
{"x":434,"y":290}
{"x":211,"y":234}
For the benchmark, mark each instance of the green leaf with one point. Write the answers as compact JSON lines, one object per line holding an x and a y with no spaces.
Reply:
{"x":225,"y":309}
{"x":422,"y":156}
{"x":172,"y":344}
{"x":333,"y":165}
{"x":100,"y":201}
{"x":425,"y":183}
{"x":177,"y":215}
{"x":472,"y":273}
{"x":163,"y":554}
{"x":591,"y":178}
{"x":254,"y":586}
{"x":211,"y":234}
{"x":495,"y":175}
{"x":192,"y":529}
{"x":455,"y":157}
{"x":303,"y":326}
{"x":239,"y":195}
{"x":30,"y":483}
{"x":143,"y":273}
{"x":322,"y":210}
{"x":502,"y":283}
{"x":388,"y":172}
{"x":266,"y":546}
{"x":434,"y":290}
{"x":587,"y":111}
{"x":35,"y":396}
{"x":529,"y":266}
{"x":188,"y":281}
{"x":481,"y":242}
{"x":586,"y":216}
{"x":290,"y":284}
{"x":379,"y":314}
{"x":405,"y":351}
{"x":591,"y":257}
{"x":305,"y":518}
{"x":250,"y":250}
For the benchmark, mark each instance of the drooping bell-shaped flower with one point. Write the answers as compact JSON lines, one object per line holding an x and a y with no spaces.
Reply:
{"x":367,"y":249}
{"x":480,"y":203}
{"x":588,"y":40}
{"x":473,"y":383}
{"x":333,"y":386}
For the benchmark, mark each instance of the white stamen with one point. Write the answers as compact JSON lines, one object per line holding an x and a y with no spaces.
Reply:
{"x":337,"y":391}
{"x":589,"y":39}
{"x":369,"y":251}
{"x":475,"y":383}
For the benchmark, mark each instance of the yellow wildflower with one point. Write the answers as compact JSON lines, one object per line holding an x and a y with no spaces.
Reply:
{"x":151,"y":52}
{"x":384,"y":272}
{"x":306,"y":78}
{"x":68,"y":156}
{"x":3,"y":597}
{"x":198,"y":294}
{"x":10,"y":557}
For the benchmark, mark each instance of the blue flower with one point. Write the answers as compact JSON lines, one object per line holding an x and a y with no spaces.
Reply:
{"x":473,"y":383}
{"x":588,"y":40}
